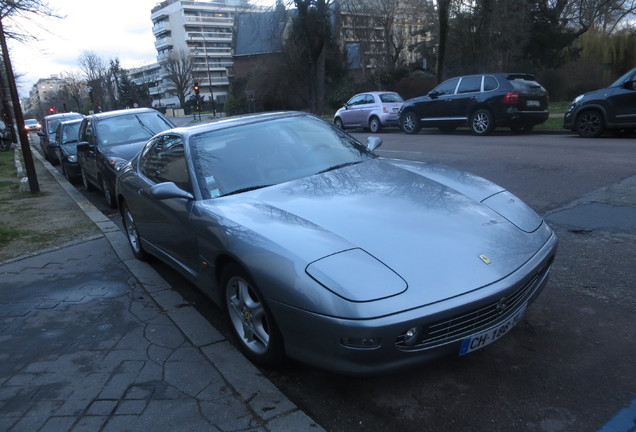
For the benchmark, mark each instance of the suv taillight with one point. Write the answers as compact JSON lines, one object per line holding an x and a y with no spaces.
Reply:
{"x":511,"y":97}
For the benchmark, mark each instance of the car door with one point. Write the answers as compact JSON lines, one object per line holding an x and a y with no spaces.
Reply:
{"x":87,"y":149}
{"x":437,"y":109}
{"x":622,"y":103}
{"x":165,"y":223}
{"x":466,"y":98}
{"x":352,"y":117}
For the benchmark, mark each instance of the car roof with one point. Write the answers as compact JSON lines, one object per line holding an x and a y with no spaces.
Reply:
{"x":62,"y":115}
{"x":68,"y":122}
{"x":116,"y":113}
{"x":235,"y":121}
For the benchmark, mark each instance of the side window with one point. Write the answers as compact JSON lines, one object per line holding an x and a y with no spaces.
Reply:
{"x":470,"y":85}
{"x":163,"y":160}
{"x":369,"y":99}
{"x":86,"y":132}
{"x":490,"y":83}
{"x":447,"y":87}
{"x":356,"y":100}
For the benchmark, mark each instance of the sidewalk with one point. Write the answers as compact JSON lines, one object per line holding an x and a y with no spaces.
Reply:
{"x":94,"y":340}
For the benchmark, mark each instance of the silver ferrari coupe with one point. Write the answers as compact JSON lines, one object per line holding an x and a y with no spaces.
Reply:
{"x":322,"y":251}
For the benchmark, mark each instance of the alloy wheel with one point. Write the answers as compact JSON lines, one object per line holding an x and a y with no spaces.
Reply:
{"x":589,"y":124}
{"x":247,"y":315}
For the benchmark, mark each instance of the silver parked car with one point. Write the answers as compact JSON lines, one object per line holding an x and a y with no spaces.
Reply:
{"x":322,"y":251}
{"x":371,"y":110}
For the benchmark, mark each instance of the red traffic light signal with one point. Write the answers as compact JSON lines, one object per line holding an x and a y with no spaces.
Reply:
{"x":52,"y":110}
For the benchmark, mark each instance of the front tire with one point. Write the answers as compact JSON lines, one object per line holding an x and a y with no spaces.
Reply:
{"x":338,"y":123}
{"x":409,"y":123}
{"x":134,"y":239}
{"x":109,"y":197}
{"x":87,"y":184}
{"x":252,"y":323}
{"x":482,"y":122}
{"x":374,"y":125}
{"x":589,"y":124}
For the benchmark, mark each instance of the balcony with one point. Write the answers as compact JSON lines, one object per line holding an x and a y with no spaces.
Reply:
{"x":163,"y":43}
{"x":161,"y":27}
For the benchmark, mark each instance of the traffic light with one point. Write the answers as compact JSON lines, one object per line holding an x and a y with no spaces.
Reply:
{"x":52,"y":110}
{"x":196,"y":88}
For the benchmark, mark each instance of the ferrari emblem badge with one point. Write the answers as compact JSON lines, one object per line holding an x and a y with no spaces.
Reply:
{"x":485,"y":259}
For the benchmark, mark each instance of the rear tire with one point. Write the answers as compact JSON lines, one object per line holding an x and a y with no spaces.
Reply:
{"x":374,"y":125}
{"x":589,"y":124}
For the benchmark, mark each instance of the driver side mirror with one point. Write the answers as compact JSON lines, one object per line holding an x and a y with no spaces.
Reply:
{"x":373,"y":142}
{"x":433,"y":94}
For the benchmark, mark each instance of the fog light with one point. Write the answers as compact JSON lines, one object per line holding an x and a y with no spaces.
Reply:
{"x":361,"y":342}
{"x":412,"y":335}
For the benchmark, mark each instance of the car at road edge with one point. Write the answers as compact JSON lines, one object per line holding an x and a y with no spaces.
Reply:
{"x":370,"y":110}
{"x":612,"y":108}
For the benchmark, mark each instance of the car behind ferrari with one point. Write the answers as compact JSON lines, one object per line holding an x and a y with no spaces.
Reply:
{"x":322,"y":251}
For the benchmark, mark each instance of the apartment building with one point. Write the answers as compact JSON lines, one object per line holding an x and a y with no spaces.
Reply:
{"x":202,"y":29}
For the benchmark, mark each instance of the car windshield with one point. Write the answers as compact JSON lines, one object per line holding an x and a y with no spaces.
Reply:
{"x":51,"y":124}
{"x":70,"y":133}
{"x":252,"y":156}
{"x":31,"y":122}
{"x":391,"y":97}
{"x":129,"y":128}
{"x":619,"y":82}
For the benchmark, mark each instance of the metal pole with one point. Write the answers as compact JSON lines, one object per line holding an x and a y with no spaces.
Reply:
{"x":34,"y":187}
{"x":207,"y":67}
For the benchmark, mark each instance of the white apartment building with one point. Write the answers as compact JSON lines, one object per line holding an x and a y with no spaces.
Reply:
{"x":204,"y":30}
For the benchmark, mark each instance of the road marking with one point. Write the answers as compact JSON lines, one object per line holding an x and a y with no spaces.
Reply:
{"x":624,"y":421}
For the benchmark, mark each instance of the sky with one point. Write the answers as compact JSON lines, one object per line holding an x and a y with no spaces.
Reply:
{"x":110,"y":28}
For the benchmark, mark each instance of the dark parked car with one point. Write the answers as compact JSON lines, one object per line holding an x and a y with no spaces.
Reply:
{"x":66,"y":137}
{"x":107,"y":141}
{"x":372,"y":110}
{"x":6,"y":137}
{"x":612,"y":108}
{"x":481,"y":102}
{"x":47,"y":134}
{"x":322,"y":251}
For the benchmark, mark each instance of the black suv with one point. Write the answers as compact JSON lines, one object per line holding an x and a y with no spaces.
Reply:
{"x":481,"y":102}
{"x":612,"y":108}
{"x":108,"y":140}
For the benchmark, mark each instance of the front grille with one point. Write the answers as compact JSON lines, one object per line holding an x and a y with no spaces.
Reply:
{"x":473,"y":321}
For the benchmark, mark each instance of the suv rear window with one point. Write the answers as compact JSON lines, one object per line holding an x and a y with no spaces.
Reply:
{"x":523,"y":82}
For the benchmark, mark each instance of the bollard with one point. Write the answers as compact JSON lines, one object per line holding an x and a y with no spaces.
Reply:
{"x":24,"y":184}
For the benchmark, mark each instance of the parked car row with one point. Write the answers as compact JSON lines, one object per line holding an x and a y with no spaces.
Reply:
{"x":484,"y":102}
{"x":93,"y":148}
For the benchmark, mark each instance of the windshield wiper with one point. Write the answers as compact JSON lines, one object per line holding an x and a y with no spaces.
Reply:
{"x":246,"y":189}
{"x":335,"y":167}
{"x":146,"y":128}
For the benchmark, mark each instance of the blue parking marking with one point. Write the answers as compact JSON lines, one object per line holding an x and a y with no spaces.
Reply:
{"x":624,"y":421}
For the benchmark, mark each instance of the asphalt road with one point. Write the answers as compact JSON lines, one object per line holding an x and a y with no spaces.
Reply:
{"x":570,"y":365}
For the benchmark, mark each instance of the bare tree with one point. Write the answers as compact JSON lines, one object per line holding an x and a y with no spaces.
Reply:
{"x":179,"y":68}
{"x":313,"y":31}
{"x":76,"y":88}
{"x":95,"y":70}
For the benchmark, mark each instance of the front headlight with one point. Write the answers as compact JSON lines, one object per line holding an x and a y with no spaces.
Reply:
{"x":576,"y":99}
{"x":116,"y":163}
{"x":72,"y":158}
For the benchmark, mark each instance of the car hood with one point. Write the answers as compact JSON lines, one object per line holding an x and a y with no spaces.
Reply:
{"x":124,"y":151}
{"x":383,"y":230}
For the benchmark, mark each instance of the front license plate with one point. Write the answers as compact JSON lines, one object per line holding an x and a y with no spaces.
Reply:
{"x":482,"y":339}
{"x":533,"y":103}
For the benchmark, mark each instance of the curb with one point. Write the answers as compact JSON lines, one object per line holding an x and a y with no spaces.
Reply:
{"x":274,"y":410}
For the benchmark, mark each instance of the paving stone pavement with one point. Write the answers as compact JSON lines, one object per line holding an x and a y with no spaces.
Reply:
{"x":94,"y":340}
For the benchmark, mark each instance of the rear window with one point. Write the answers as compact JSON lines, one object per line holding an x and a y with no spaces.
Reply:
{"x":523,"y":82}
{"x":391,"y":97}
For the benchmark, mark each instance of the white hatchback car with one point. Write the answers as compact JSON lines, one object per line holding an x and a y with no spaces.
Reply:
{"x":371,"y":110}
